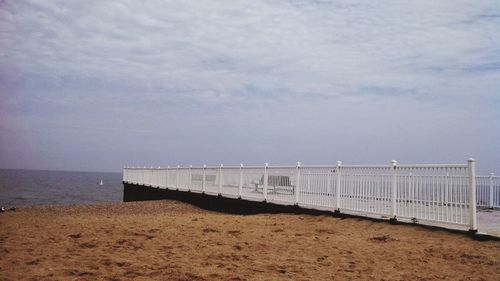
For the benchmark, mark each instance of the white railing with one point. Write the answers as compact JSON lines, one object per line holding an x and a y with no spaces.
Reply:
{"x":444,"y":194}
{"x":488,"y":191}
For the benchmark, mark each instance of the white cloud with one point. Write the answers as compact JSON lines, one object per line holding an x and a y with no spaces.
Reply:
{"x":298,"y":47}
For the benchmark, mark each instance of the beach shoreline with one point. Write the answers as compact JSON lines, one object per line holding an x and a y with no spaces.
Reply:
{"x":167,"y":239}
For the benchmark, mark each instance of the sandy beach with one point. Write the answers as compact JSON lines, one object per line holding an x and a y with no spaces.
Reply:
{"x":170,"y":240}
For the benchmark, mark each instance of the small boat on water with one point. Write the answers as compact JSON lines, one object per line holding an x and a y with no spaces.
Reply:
{"x":101,"y":182}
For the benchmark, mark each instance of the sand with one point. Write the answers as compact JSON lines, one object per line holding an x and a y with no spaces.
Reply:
{"x":170,"y":240}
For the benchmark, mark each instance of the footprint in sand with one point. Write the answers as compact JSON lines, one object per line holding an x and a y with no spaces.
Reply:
{"x":207,"y":230}
{"x":234,"y":232}
{"x":383,"y":239}
{"x":33,"y":262}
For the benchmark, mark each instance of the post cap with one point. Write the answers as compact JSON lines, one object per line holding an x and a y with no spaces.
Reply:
{"x":222,"y":165}
{"x":298,"y":164}
{"x":241,"y":164}
{"x":394,"y":162}
{"x":266,"y":164}
{"x":339,"y":163}
{"x":204,"y":165}
{"x":471,"y":160}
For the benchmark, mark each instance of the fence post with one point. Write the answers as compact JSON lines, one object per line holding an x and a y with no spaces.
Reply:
{"x":151,"y":176}
{"x":168,"y":176}
{"x":139,"y":175}
{"x":472,"y":189}
{"x":394,"y":183}
{"x":131,"y":174}
{"x":411,"y":193}
{"x":158,"y":177}
{"x":136,"y":175}
{"x":177,"y":178}
{"x":308,"y":181}
{"x":491,"y":190}
{"x":190,"y":177}
{"x":240,"y":185}
{"x":297,"y":184}
{"x":264,"y":190}
{"x":154,"y":174}
{"x":337,"y":186}
{"x":142,"y":177}
{"x":329,"y":183}
{"x":203,"y":179}
{"x":447,"y":198}
{"x":220,"y":178}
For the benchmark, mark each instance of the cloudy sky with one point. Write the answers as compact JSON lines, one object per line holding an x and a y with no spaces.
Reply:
{"x":96,"y":85}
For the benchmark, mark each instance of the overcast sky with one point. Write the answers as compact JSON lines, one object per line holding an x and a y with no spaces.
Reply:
{"x":96,"y":85}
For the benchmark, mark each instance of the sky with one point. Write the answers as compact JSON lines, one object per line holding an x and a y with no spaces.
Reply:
{"x":97,"y":85}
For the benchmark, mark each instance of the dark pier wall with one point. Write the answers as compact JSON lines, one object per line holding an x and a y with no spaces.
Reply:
{"x":132,"y":192}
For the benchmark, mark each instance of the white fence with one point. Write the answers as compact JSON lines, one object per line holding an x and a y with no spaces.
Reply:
{"x":488,"y":191}
{"x":444,"y":194}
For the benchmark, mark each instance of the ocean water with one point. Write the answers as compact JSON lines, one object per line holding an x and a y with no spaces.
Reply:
{"x":29,"y":187}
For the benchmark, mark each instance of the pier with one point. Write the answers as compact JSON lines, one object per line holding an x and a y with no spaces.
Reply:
{"x":444,"y":195}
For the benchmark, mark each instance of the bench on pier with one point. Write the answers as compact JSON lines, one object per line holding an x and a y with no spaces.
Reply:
{"x":278,"y":184}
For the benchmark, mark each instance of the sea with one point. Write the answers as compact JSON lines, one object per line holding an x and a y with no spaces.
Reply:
{"x":33,"y":187}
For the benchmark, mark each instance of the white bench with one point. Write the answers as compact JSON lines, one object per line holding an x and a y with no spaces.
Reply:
{"x":278,"y":183}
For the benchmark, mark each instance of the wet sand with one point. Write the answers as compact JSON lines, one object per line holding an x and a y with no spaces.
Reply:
{"x":170,"y":240}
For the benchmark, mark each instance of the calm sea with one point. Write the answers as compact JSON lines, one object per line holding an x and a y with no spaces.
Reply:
{"x":27,"y":187}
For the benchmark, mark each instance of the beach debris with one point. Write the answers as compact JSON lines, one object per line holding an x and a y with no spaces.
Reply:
{"x":76,"y":235}
{"x":3,"y":209}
